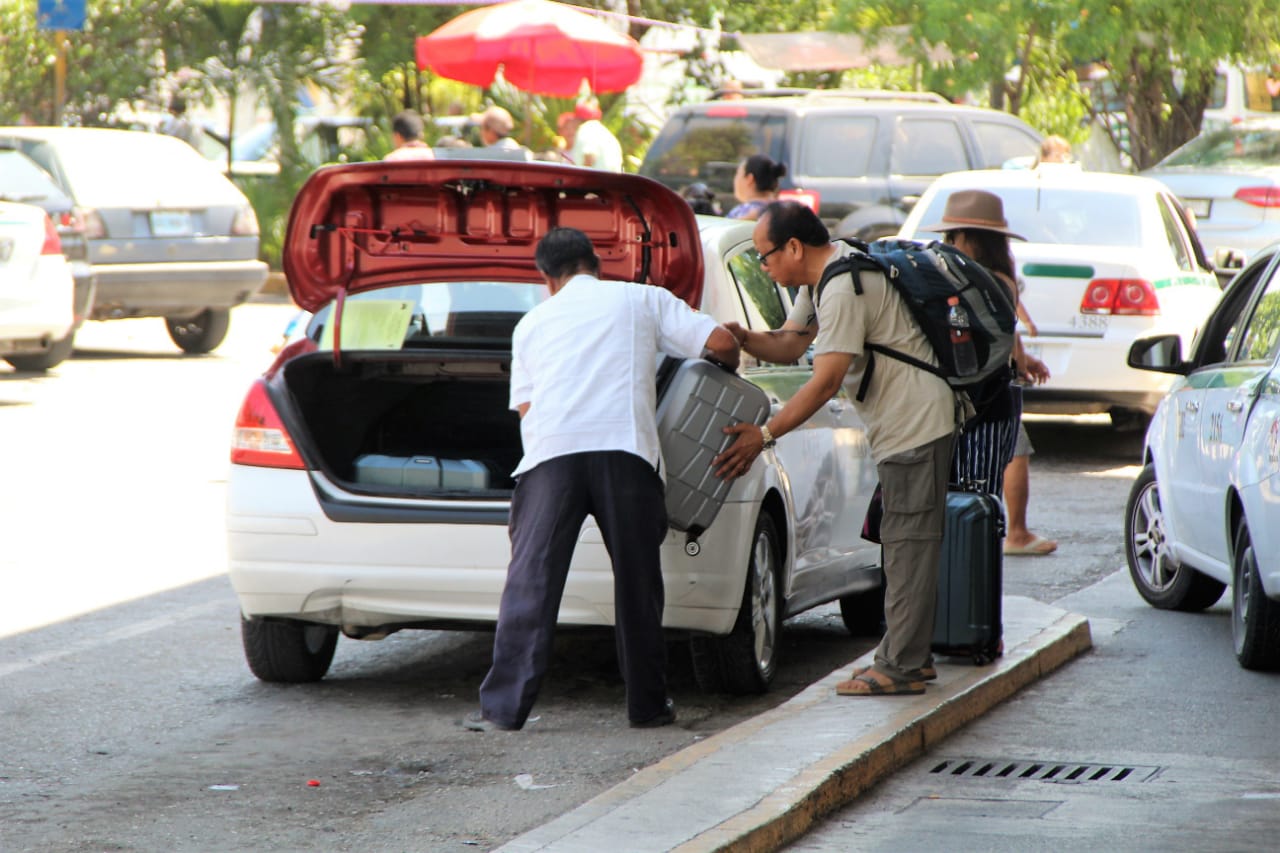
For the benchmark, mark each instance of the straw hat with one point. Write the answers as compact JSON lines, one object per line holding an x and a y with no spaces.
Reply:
{"x":978,"y":210}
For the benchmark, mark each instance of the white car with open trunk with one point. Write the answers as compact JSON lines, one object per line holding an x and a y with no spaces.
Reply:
{"x":416,"y":274}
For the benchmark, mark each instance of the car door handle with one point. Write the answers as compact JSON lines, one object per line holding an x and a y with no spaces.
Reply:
{"x":835,"y":406}
{"x":1235,"y":406}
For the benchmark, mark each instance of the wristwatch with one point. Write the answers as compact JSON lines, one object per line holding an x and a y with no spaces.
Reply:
{"x":767,"y":437}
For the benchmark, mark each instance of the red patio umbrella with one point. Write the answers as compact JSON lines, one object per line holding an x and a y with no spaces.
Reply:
{"x":544,"y":48}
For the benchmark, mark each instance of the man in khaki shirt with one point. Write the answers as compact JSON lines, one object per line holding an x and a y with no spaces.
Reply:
{"x":911,"y":418}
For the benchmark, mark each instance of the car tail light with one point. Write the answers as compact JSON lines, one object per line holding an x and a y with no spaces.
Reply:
{"x":260,"y":437}
{"x":1120,"y":296}
{"x":246,"y":222}
{"x":52,"y":242}
{"x":1259,"y":196}
{"x":809,"y":198}
{"x":94,"y":227}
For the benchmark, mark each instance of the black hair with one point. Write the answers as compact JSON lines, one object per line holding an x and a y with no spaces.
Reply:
{"x":566,"y":251}
{"x":701,"y":198}
{"x":791,"y":219}
{"x":177,"y":105}
{"x":989,"y":248}
{"x":764,"y":170}
{"x":408,"y":124}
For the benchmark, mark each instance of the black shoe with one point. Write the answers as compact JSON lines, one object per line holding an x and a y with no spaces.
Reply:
{"x":477,"y":722}
{"x":665,"y":717}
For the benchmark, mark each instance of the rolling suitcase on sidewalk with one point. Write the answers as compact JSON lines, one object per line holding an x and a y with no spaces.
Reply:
{"x":696,"y":401}
{"x":970,"y":579}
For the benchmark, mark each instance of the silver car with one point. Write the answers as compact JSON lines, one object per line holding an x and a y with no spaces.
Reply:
{"x":169,"y":236}
{"x":1230,"y":180}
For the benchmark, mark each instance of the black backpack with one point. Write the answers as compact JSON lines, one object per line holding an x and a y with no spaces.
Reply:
{"x":965,"y":312}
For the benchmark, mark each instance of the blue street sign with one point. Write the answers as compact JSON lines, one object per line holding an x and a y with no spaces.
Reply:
{"x":60,"y":14}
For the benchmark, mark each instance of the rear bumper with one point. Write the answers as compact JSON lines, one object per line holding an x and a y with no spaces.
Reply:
{"x":288,"y":559}
{"x":1090,"y":376}
{"x":174,"y":289}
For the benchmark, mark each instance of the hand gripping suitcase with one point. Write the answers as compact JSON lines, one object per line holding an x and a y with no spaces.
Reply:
{"x":696,"y":401}
{"x":970,"y":578}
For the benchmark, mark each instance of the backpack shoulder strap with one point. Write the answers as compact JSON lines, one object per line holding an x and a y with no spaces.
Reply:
{"x":851,"y":263}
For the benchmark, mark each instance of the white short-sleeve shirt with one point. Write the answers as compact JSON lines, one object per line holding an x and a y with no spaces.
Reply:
{"x":584,"y":360}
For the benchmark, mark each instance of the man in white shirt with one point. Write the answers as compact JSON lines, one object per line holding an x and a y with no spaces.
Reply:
{"x":594,"y":145}
{"x":582,"y":378}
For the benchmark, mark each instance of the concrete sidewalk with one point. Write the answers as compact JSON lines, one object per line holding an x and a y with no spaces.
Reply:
{"x":764,"y":782}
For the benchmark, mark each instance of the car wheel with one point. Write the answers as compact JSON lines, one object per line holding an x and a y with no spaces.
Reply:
{"x":201,"y":333}
{"x":286,"y":650}
{"x":1255,"y":619}
{"x":746,"y":659}
{"x":55,"y":355}
{"x":1156,"y":574}
{"x":863,"y":612}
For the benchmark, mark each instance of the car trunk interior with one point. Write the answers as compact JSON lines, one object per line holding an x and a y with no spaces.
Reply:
{"x":426,"y":424}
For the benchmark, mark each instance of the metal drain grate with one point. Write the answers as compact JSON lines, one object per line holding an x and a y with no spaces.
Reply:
{"x":1017,"y":770}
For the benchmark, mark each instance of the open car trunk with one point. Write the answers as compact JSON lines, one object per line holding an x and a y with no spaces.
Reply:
{"x":408,"y":424}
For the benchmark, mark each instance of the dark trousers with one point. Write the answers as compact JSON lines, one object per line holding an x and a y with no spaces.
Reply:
{"x":624,"y":495}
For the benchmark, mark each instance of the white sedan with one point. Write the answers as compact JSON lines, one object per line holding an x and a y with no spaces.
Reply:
{"x":37,"y":291}
{"x":417,"y":274}
{"x":1108,"y":259}
{"x":1205,"y":511}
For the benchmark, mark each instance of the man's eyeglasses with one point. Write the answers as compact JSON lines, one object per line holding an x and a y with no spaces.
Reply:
{"x":764,"y":259}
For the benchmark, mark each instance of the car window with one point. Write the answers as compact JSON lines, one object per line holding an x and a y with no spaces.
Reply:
{"x":999,"y":142}
{"x":1077,"y":217}
{"x":836,"y":146}
{"x":21,"y":179}
{"x":927,"y":147}
{"x":760,"y":291}
{"x":1177,"y":238}
{"x":707,"y":147}
{"x":1241,"y":145}
{"x":431,"y":314}
{"x":1260,"y":339}
{"x":146,"y":168}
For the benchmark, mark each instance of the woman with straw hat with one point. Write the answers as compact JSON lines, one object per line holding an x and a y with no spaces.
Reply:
{"x":974,"y":222}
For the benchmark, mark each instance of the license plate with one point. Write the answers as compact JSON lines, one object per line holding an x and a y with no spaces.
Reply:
{"x":1198,"y":206}
{"x":171,"y":223}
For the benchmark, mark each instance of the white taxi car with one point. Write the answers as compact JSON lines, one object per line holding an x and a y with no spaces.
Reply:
{"x":37,"y":291}
{"x":1108,"y":259}
{"x":1205,"y":511}
{"x":416,"y":273}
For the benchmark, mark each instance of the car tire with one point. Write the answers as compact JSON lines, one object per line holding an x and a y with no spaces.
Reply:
{"x":40,"y":362}
{"x":201,"y":333}
{"x":1155,"y":573}
{"x":745,"y":661}
{"x":286,"y":650}
{"x":1255,"y":619}
{"x":863,"y":612}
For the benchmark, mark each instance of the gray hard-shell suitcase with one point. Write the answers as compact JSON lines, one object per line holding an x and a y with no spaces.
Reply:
{"x":696,"y":401}
{"x":970,"y":578}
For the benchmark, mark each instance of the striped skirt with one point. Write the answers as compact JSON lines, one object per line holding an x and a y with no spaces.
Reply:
{"x":984,"y":449}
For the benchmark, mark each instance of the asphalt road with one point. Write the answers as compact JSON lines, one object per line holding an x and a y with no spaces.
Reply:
{"x":132,"y":723}
{"x":131,"y":720}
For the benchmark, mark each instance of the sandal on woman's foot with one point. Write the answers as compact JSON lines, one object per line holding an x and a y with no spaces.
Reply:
{"x":869,"y":683}
{"x":926,"y":673}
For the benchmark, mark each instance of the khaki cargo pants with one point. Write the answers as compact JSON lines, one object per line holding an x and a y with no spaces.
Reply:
{"x":914,"y":489}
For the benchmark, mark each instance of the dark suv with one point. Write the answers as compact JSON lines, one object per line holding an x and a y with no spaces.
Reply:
{"x":864,"y":157}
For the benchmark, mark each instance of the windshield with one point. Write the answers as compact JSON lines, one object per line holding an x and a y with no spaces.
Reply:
{"x":426,"y":315}
{"x":1076,"y":217}
{"x":1232,"y":146}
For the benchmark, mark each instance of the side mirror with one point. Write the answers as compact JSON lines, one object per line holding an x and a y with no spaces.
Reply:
{"x":1226,"y":258}
{"x":1162,"y":354}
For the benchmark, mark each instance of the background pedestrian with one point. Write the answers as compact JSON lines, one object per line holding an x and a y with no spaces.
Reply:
{"x":406,"y":137}
{"x":755,"y":184}
{"x":594,"y":145}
